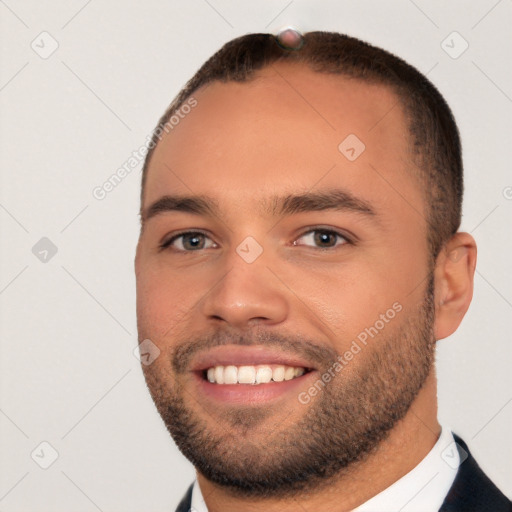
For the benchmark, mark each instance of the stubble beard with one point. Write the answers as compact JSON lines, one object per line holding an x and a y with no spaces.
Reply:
{"x":247,"y":450}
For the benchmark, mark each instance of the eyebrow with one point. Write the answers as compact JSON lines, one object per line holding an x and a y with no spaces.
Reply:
{"x":276,"y":206}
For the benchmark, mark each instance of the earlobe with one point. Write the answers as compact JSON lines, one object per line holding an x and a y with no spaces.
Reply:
{"x":453,"y":277}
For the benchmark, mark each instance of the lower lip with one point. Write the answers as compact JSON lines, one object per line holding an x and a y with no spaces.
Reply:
{"x":248,"y":394}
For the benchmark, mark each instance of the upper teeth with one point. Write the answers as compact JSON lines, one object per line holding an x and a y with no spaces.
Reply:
{"x":252,"y":374}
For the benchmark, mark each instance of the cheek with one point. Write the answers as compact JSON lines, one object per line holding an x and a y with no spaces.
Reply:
{"x":161,"y":304}
{"x":348,"y":300}
{"x":339,"y":299}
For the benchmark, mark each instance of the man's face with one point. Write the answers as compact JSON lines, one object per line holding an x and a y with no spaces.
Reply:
{"x":260,"y":282}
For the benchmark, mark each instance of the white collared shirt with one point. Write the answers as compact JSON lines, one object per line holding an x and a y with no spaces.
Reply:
{"x":423,"y":489}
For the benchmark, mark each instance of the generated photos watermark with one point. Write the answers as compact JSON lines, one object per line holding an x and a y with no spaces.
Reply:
{"x":356,"y":346}
{"x":100,"y":192}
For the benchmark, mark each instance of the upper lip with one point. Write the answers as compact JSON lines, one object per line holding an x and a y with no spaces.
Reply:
{"x":238,"y":356}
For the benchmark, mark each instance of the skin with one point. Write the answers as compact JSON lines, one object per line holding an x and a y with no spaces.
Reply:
{"x":279,"y":134}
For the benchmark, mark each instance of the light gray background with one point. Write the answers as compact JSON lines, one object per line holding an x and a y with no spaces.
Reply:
{"x":68,"y":326}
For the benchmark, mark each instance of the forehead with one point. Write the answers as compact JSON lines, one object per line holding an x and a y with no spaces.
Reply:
{"x":288,"y":128}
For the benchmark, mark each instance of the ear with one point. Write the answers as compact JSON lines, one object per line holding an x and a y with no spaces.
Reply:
{"x":453,"y":278}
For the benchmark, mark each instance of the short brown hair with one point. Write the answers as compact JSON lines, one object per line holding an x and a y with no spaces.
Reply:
{"x":435,"y":140}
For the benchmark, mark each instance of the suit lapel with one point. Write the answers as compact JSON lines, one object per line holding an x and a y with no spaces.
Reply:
{"x":186,"y":503}
{"x":472,"y":490}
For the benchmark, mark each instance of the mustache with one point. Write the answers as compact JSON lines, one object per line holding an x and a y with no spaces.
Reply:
{"x":296,"y":344}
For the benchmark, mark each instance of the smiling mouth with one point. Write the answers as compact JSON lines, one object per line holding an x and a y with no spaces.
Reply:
{"x":257,"y":374}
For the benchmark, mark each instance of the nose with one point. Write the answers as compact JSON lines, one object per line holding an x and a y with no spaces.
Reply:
{"x":248,"y":294}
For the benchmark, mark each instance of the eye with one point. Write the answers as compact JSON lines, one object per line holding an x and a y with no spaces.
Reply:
{"x":323,"y":238}
{"x":188,"y":241}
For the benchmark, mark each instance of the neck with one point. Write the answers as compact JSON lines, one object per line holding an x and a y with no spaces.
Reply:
{"x":406,"y":446}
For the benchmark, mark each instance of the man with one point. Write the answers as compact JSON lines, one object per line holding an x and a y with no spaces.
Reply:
{"x":298,"y":260}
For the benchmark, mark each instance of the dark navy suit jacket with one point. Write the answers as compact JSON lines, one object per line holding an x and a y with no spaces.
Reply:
{"x":472,"y":491}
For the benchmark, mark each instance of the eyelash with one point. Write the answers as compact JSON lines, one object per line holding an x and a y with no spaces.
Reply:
{"x":347,"y":240}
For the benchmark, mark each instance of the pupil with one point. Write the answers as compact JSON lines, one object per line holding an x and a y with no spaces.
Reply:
{"x":193,"y":241}
{"x":322,"y":236}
